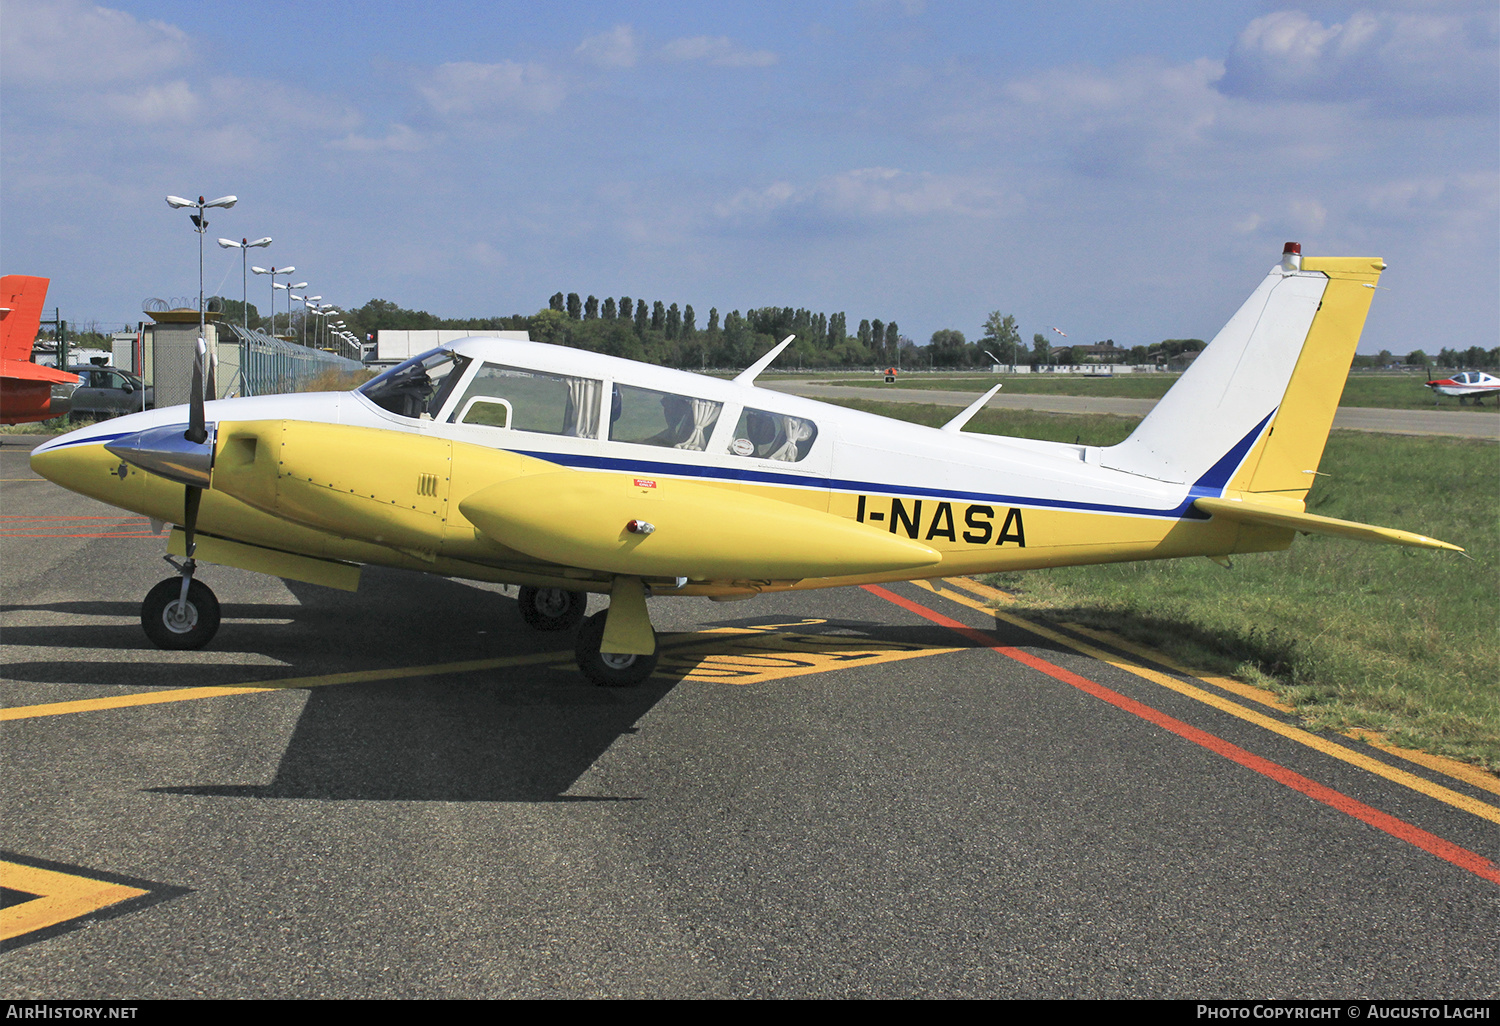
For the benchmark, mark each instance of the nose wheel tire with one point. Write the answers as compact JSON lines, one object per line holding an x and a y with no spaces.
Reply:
{"x":552,"y":609}
{"x":609,"y":669}
{"x":172,"y":625}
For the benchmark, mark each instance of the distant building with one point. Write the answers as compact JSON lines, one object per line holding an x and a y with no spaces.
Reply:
{"x":244,"y":362}
{"x":1102,"y":352}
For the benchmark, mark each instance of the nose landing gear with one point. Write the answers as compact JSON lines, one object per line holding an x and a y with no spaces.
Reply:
{"x":180,"y":613}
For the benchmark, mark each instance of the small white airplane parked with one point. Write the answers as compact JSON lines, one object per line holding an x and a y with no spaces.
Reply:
{"x":1468,"y":385}
{"x":567,"y":472}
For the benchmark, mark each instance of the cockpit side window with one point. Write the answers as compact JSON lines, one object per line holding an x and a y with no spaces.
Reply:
{"x":773,"y":436}
{"x":527,"y":400}
{"x":419,"y":387}
{"x":648,"y":417}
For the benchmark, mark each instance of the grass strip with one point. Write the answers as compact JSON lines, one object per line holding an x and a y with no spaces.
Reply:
{"x":1382,"y":391}
{"x":1353,"y":636}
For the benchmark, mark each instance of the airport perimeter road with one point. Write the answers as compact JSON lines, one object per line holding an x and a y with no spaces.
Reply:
{"x":1474,"y":424}
{"x":878,"y":792}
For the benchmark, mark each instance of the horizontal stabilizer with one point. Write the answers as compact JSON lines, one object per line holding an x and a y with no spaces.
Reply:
{"x":1309,"y":523}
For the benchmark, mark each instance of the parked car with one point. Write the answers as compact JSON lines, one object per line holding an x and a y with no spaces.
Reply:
{"x":109,"y":392}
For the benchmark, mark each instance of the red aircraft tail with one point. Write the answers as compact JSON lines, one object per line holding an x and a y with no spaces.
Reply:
{"x":26,"y":389}
{"x":21,"y":299}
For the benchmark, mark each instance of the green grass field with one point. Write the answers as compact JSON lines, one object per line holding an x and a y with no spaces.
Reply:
{"x":1391,"y":392}
{"x":1354,"y":636}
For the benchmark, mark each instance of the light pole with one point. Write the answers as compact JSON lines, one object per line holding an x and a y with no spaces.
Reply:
{"x":288,"y":286}
{"x":200,"y":225}
{"x":320,"y":328}
{"x":245,"y":246}
{"x":329,"y":310}
{"x":273,"y":272}
{"x":307,"y":301}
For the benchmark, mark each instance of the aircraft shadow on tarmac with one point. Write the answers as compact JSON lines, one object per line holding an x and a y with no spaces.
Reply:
{"x":513,"y":733}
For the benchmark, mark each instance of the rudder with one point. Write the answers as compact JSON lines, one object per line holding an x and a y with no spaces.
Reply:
{"x":1293,"y":446}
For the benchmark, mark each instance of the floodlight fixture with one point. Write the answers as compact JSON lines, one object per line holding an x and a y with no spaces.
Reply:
{"x":245,"y":246}
{"x":200,"y":225}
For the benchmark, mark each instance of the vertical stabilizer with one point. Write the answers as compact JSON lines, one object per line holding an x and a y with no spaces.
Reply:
{"x":1285,"y":463}
{"x":22,"y":297}
{"x":1254,"y":409}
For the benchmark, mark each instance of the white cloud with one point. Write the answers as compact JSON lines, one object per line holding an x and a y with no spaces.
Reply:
{"x":1143,"y":114}
{"x":167,"y":103}
{"x":52,"y":42}
{"x":1414,"y":61}
{"x":1307,"y":216}
{"x":484,"y":254}
{"x":858,"y":197}
{"x":720,"y":51}
{"x":400,"y":139}
{"x":468,"y":91}
{"x":910,"y":8}
{"x":616,"y":48}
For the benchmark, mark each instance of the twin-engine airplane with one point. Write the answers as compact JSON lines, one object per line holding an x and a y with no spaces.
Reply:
{"x":567,"y":472}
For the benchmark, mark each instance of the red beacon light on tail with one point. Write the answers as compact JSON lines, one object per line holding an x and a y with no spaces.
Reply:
{"x":1291,"y":257}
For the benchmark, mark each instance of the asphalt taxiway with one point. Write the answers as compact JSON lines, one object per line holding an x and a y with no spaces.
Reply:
{"x":893,"y":792}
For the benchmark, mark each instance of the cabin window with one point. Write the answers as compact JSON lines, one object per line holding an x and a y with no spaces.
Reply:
{"x":419,"y":387}
{"x":646,"y":417}
{"x":773,"y":436}
{"x":527,"y":400}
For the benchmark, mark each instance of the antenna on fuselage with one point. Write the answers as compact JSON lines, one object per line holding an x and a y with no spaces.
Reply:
{"x":748,"y":375}
{"x":957,"y":423}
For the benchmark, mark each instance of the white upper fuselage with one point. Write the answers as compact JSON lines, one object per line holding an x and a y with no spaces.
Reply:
{"x":851,"y":452}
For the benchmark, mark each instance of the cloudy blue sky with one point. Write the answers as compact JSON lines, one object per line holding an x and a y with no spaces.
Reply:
{"x":1124,"y":170}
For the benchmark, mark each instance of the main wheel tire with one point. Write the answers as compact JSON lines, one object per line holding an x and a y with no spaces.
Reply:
{"x":608,"y":669}
{"x":552,"y":609}
{"x":171,"y":628}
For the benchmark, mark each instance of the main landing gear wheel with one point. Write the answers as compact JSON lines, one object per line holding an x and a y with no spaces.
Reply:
{"x":552,"y":609}
{"x":608,"y":669}
{"x":171,"y":624}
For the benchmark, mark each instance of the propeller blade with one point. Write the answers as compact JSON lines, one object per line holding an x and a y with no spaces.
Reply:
{"x":196,"y":431}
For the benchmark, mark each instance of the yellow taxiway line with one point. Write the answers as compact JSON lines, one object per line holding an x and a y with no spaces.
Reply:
{"x":762,"y":653}
{"x":59,"y":898}
{"x":1297,"y":734}
{"x":27,"y":712}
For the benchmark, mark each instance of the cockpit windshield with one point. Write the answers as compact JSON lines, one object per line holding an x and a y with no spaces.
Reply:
{"x":419,"y":387}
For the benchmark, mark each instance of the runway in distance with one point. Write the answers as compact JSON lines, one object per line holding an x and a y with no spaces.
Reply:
{"x":567,"y":472}
{"x":27,"y":391}
{"x":1468,"y":385}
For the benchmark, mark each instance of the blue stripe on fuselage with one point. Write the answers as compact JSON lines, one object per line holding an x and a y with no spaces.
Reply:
{"x":1210,"y":484}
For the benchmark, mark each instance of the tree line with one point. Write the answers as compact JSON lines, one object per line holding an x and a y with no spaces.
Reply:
{"x":667,"y":334}
{"x":672,"y":336}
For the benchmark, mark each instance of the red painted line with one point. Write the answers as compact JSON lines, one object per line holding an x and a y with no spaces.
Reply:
{"x":15,"y":534}
{"x":1398,"y":828}
{"x":14,"y":517}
